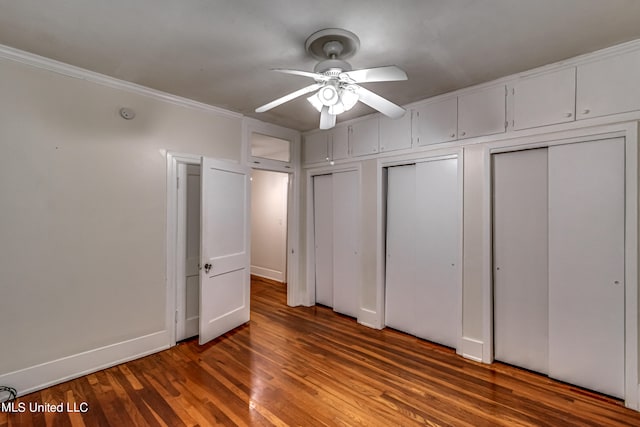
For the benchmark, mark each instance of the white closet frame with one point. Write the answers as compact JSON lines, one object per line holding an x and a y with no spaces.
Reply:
{"x":309,"y":298}
{"x":629,"y":131}
{"x":377,"y":318}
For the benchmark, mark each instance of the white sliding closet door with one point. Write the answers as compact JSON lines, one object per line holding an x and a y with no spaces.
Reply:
{"x":323,"y":230}
{"x":423,"y":283}
{"x":438,"y":289}
{"x":346,"y":258}
{"x":401,"y":248}
{"x":586,"y":265}
{"x":520,"y":258}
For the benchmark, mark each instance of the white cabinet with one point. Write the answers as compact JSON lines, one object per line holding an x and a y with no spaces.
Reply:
{"x":315,"y":148}
{"x":544,"y":99}
{"x":326,"y":146}
{"x":364,"y":137}
{"x":482,"y":112}
{"x":339,"y":142}
{"x":435,"y":122}
{"x":395,"y":134}
{"x":608,"y":86}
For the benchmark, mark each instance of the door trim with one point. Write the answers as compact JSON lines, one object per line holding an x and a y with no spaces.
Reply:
{"x":629,"y":131}
{"x":295,"y":295}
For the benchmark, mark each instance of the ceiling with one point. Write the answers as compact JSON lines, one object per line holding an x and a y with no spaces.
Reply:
{"x":220,"y":51}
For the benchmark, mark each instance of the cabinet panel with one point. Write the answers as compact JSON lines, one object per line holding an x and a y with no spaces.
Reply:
{"x":395,"y":134}
{"x":364,"y":137}
{"x":609,"y":86}
{"x":545,"y":100}
{"x":315,"y":148}
{"x":482,"y":112}
{"x":339,"y":143}
{"x":435,"y":122}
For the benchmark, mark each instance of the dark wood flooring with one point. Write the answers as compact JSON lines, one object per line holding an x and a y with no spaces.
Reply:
{"x":312,"y":367}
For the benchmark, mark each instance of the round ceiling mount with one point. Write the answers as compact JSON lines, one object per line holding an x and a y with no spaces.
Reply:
{"x":332,"y":43}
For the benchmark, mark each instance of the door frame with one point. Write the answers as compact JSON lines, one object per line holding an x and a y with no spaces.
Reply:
{"x":628,"y":131}
{"x":173,"y":251}
{"x":295,"y":295}
{"x":382,"y":167}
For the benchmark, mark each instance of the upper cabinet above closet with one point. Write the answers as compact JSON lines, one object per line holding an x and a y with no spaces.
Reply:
{"x":609,"y":86}
{"x":544,"y":99}
{"x":364,"y":137}
{"x":435,"y":122}
{"x":482,"y":112}
{"x":326,"y":146}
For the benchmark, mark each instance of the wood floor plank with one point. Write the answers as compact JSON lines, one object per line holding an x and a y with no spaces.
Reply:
{"x":311,"y":366}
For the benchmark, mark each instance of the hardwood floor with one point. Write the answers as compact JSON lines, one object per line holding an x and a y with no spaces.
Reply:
{"x":309,"y":367}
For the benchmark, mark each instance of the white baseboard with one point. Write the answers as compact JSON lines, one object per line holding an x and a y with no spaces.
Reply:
{"x":369,"y":318}
{"x":267,"y":273}
{"x":67,"y":368}
{"x":472,"y":349}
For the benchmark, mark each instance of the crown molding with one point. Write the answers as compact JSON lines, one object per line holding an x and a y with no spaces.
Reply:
{"x":58,"y":67}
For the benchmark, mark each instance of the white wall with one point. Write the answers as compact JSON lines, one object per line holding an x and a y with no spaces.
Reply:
{"x":83,"y":219}
{"x":269,"y":224}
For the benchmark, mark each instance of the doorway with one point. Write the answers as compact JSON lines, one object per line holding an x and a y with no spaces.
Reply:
{"x":269,"y":218}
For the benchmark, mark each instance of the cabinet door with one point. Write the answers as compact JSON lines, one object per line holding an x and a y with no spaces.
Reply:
{"x":482,"y":112}
{"x":609,"y":86}
{"x":395,"y":134}
{"x":339,"y":143}
{"x":315,"y":149}
{"x":363,"y":137}
{"x":545,"y":100}
{"x":586,"y":265}
{"x":435,"y":122}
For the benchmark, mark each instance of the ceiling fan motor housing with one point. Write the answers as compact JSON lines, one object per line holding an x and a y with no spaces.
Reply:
{"x":332,"y":67}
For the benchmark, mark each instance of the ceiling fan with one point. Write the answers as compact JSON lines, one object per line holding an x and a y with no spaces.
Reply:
{"x":336,"y":83}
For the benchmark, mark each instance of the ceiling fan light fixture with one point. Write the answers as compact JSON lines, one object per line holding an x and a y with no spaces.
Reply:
{"x":328,"y":95}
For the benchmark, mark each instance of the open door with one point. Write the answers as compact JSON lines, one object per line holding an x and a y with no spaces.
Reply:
{"x":224,"y":227}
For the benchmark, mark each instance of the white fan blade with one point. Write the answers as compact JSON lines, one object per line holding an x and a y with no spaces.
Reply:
{"x":327,"y":121}
{"x":287,"y":98}
{"x":315,"y":76}
{"x":377,"y":102}
{"x":390,"y":73}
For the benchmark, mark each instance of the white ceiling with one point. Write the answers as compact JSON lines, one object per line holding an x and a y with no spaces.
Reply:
{"x":219,"y":51}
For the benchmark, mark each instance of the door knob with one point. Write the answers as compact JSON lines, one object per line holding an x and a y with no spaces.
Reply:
{"x":207,"y":267}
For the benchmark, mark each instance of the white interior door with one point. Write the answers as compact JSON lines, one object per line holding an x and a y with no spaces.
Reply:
{"x":586,"y":265}
{"x":323,"y":231}
{"x":400,"y":281}
{"x":224,"y":279}
{"x":346,"y":241}
{"x":438,"y":286}
{"x":520,"y":258}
